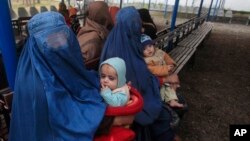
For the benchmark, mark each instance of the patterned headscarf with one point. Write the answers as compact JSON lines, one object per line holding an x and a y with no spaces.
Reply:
{"x":55,"y":98}
{"x":124,"y":42}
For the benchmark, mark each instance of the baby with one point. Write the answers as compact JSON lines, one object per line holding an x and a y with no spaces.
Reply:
{"x":114,"y":89}
{"x":161,"y":64}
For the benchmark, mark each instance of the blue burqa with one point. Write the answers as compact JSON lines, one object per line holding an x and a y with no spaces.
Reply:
{"x":55,"y":97}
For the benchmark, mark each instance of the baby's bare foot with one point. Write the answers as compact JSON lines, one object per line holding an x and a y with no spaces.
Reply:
{"x":174,"y":103}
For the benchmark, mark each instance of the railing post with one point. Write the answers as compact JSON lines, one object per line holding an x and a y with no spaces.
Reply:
{"x":7,"y":44}
{"x":166,"y":8}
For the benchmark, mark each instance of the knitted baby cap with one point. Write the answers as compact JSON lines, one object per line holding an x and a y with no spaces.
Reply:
{"x":119,"y":65}
{"x":146,"y":40}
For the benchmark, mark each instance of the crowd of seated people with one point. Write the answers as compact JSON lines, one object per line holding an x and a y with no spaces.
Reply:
{"x":77,"y":74}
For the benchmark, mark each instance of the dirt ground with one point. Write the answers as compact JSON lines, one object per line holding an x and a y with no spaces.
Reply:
{"x":217,"y":87}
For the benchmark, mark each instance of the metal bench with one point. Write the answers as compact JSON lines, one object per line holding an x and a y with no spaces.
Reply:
{"x":185,"y":39}
{"x":187,"y":47}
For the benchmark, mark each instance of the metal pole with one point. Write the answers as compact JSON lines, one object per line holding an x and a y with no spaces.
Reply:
{"x":193,"y":10}
{"x":166,"y":8}
{"x":208,"y":16}
{"x":223,"y":4}
{"x":173,"y":21}
{"x":175,"y":11}
{"x":199,"y":13}
{"x":68,"y":3}
{"x":7,"y":44}
{"x":120,"y":3}
{"x":149,"y":4}
{"x":215,"y":8}
{"x":218,"y":7}
{"x":186,"y":9}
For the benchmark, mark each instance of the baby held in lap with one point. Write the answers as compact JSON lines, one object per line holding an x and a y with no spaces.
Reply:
{"x":162,"y":65}
{"x":114,"y":89}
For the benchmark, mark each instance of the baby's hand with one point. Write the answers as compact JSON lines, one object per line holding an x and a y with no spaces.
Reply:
{"x":103,"y":87}
{"x":171,"y":67}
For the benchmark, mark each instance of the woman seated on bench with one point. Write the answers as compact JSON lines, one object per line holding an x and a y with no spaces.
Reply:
{"x":93,"y":34}
{"x":148,"y":24}
{"x":124,"y":42}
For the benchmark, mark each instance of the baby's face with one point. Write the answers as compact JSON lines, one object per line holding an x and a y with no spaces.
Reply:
{"x":108,"y":77}
{"x":149,"y":50}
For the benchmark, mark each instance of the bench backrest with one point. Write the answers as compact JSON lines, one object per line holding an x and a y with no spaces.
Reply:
{"x":166,"y":36}
{"x":53,"y":8}
{"x":43,"y":9}
{"x":33,"y":11}
{"x":229,"y":14}
{"x":221,"y":13}
{"x":22,"y":12}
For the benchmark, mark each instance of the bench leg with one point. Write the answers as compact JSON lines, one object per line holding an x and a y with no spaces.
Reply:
{"x":230,"y":21}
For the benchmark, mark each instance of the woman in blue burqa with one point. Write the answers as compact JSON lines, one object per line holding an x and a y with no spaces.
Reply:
{"x":55,"y":97}
{"x":153,"y":122}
